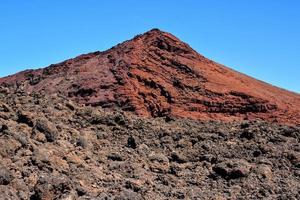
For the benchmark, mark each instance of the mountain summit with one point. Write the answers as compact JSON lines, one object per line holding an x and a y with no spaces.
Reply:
{"x":156,"y":75}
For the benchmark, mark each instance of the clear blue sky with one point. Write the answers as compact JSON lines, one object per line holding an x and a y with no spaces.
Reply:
{"x":259,"y":37}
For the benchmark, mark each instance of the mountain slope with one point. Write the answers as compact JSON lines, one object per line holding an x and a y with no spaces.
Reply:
{"x":157,"y":75}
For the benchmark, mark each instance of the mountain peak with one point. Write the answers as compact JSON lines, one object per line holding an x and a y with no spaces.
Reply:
{"x":155,"y":74}
{"x":157,"y":40}
{"x":155,"y":32}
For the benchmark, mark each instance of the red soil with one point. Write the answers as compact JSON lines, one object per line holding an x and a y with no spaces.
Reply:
{"x":155,"y":75}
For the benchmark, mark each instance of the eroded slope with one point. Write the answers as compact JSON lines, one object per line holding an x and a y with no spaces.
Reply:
{"x":155,"y":75}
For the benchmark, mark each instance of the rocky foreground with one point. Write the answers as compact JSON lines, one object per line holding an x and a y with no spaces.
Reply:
{"x":51,"y":148}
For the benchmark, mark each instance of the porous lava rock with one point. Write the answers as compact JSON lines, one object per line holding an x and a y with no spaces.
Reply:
{"x":90,"y":153}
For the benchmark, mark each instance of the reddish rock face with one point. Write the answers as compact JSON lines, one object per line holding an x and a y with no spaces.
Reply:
{"x":156,"y":75}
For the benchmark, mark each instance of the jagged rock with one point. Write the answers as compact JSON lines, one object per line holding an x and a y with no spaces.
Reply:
{"x":3,"y":127}
{"x":233,"y":169}
{"x":265,"y":171}
{"x":5,"y":108}
{"x":5,"y":176}
{"x":115,"y":157}
{"x":294,"y":157}
{"x":47,"y":128}
{"x":82,"y":141}
{"x":41,"y":157}
{"x":70,"y":105}
{"x":26,"y":118}
{"x":159,"y":162}
{"x":177,"y":157}
{"x":128,"y":195}
{"x":248,"y":134}
{"x":54,"y":187}
{"x":131,"y":142}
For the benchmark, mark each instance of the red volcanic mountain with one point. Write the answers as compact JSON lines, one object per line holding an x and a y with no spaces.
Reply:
{"x":156,"y":75}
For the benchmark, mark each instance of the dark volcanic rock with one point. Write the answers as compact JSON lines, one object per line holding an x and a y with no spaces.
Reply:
{"x":92,"y":154}
{"x":54,"y":187}
{"x":47,"y":128}
{"x":25,"y":118}
{"x":131,"y":143}
{"x":54,"y":148}
{"x":233,"y":169}
{"x":5,"y":176}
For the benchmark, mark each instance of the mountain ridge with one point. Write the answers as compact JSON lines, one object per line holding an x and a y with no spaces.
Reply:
{"x":155,"y":74}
